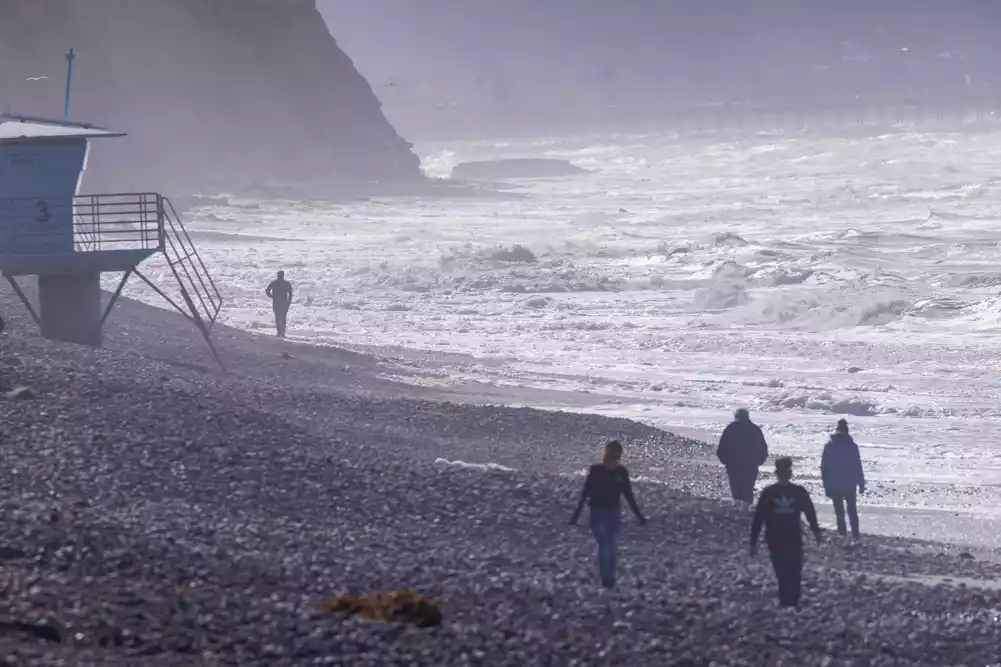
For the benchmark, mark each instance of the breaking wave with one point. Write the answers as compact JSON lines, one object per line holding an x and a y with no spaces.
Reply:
{"x":817,"y":309}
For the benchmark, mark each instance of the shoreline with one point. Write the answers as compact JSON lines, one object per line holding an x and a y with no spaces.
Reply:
{"x":964,"y":527}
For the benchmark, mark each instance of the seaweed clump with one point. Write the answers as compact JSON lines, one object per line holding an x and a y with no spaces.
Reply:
{"x":393,"y":607}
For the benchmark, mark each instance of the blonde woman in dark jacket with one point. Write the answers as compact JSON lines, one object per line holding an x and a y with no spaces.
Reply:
{"x":606,"y":482}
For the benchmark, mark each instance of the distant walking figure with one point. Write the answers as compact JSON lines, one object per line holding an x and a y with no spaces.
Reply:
{"x":742,"y":448}
{"x":779,"y":508}
{"x":606,"y":482}
{"x":280,"y":293}
{"x":841,"y":472}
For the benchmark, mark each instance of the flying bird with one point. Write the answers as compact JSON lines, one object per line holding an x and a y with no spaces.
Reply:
{"x":36,"y":78}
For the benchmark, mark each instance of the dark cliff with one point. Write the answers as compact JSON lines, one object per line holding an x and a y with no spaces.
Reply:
{"x":216,"y":95}
{"x":440,"y":64}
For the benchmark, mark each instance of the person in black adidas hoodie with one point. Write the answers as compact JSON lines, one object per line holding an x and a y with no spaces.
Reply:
{"x":779,"y":508}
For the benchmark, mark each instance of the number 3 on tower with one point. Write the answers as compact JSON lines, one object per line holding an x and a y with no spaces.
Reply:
{"x":43,"y":211}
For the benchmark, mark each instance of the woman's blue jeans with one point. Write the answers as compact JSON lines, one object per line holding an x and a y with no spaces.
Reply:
{"x":605,"y":528}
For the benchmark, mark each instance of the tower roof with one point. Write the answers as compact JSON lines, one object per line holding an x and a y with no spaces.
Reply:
{"x":24,"y":128}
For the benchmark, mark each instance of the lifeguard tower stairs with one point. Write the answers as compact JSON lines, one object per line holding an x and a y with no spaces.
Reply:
{"x":67,"y":240}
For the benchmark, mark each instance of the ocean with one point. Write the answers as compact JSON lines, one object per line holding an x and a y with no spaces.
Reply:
{"x":807,"y":276}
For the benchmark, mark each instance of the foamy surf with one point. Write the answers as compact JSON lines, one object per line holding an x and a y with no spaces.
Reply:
{"x":680,"y":279}
{"x":466,"y":465}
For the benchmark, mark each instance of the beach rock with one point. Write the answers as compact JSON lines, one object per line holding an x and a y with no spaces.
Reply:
{"x":517,"y":253}
{"x":43,"y":630}
{"x":728,"y":239}
{"x":21,"y":394}
{"x":538,"y":302}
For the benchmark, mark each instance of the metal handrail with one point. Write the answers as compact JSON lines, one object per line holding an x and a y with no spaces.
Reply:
{"x":86,"y":238}
{"x":111,"y":222}
{"x":187,"y":265}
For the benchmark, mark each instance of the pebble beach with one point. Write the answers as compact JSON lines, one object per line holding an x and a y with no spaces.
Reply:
{"x":157,"y":512}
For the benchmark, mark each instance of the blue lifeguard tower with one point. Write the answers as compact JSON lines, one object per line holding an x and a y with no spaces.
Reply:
{"x":49,"y":230}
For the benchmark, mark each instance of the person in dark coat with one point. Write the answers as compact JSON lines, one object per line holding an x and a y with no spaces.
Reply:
{"x":279,"y":291}
{"x":606,"y":482}
{"x":841,"y":472}
{"x":742,"y":449}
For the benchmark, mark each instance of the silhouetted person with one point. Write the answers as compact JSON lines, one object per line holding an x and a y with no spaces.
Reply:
{"x":779,"y":508}
{"x":605,"y":483}
{"x":280,"y":293}
{"x":841,"y":472}
{"x":742,"y":448}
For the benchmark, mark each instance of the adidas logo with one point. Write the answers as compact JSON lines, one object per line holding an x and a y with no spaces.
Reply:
{"x":785,"y":505}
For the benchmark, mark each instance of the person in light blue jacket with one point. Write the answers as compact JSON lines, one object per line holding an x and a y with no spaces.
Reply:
{"x":841,"y":472}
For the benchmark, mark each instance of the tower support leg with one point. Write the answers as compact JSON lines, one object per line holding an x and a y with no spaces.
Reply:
{"x":114,"y":298}
{"x":24,"y":299}
{"x":191,"y":314}
{"x":70,"y":307}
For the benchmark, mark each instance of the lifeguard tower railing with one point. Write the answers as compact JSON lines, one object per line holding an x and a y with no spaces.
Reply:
{"x":111,"y":233}
{"x":117,"y":222}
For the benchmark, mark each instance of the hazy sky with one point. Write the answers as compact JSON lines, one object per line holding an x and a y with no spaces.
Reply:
{"x":448,"y":51}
